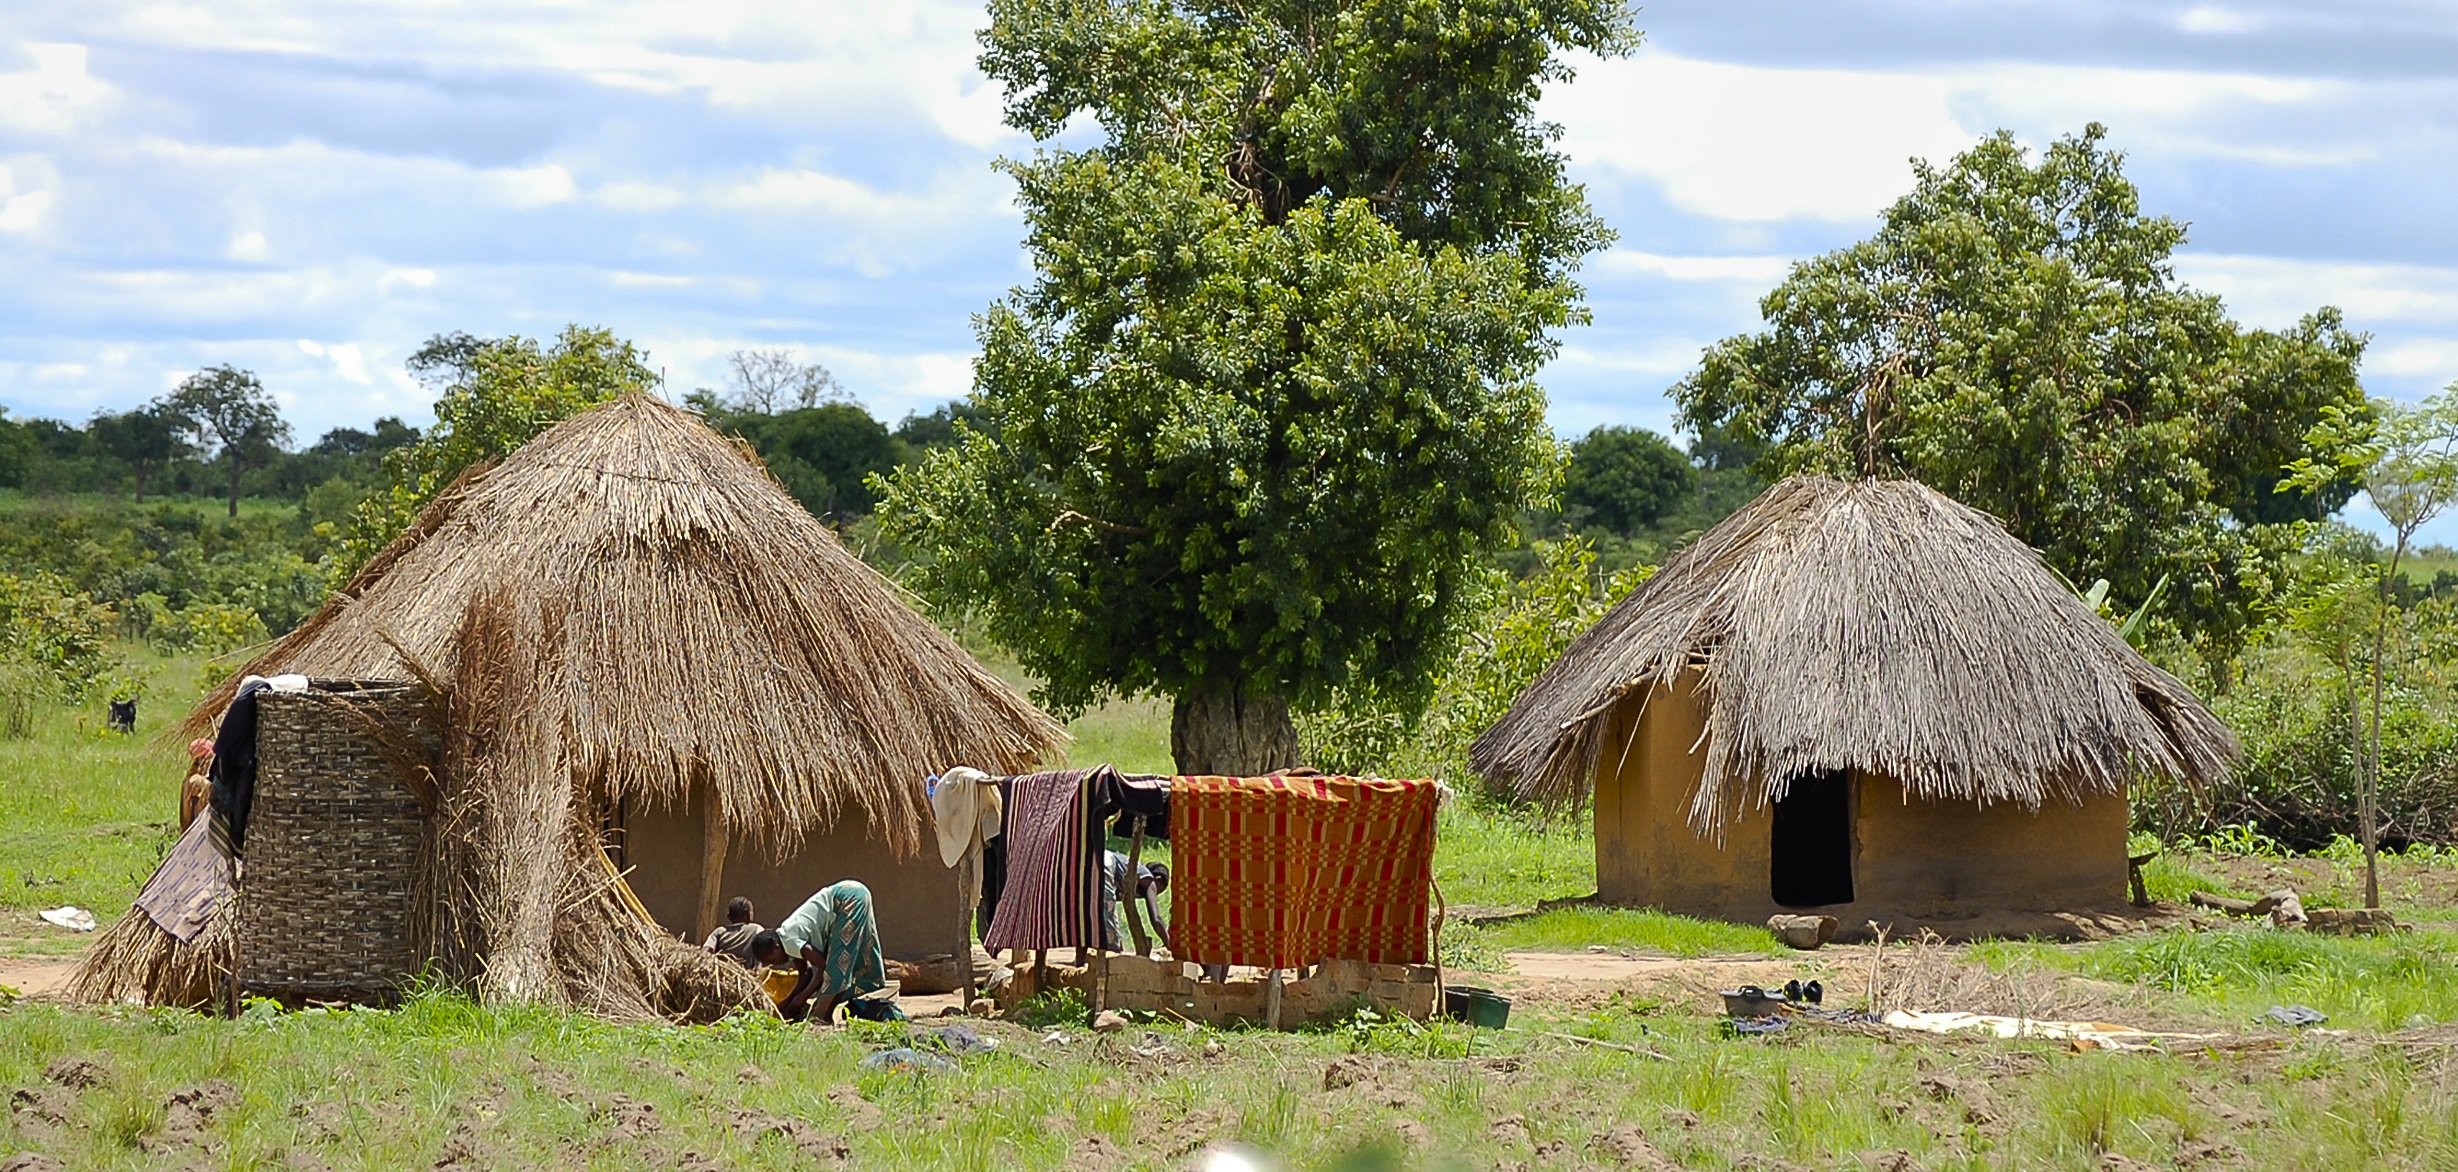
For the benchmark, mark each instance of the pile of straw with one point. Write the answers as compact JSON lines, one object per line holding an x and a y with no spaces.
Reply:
{"x":528,"y":910}
{"x":136,"y":961}
{"x":1876,"y":626}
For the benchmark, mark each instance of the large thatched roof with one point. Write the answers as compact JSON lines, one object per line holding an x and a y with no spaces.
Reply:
{"x":1876,"y":626}
{"x":688,"y":618}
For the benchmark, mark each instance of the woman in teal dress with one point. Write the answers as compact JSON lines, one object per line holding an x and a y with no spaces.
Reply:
{"x":834,"y":940}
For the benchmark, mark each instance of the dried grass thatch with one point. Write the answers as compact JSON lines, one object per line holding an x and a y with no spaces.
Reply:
{"x":709,"y":628}
{"x":136,"y":961}
{"x":1875,"y":626}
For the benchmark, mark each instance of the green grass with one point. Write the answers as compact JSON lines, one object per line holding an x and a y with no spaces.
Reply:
{"x":2365,"y":982}
{"x":1650,"y":931}
{"x":511,"y":1088}
{"x":85,"y":814}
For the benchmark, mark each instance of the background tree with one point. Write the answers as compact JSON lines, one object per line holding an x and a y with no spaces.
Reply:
{"x":229,"y":410}
{"x":1625,"y":479}
{"x":1270,"y":402}
{"x":824,"y":455}
{"x":2406,"y":459}
{"x":2014,"y":335}
{"x":144,"y":439}
{"x":769,"y":381}
{"x":496,"y":395}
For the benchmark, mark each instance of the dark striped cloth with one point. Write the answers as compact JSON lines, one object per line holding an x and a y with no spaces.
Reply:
{"x":1052,"y":895}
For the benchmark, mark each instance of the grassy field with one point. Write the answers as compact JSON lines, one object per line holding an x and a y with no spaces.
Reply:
{"x":1636,"y":1075}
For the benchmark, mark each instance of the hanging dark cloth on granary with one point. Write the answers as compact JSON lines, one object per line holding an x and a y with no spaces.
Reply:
{"x":234,"y":760}
{"x":234,"y":767}
{"x":1136,"y":795}
{"x":994,"y":862}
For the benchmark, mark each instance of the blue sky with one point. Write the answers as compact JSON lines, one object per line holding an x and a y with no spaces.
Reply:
{"x":310,"y":189}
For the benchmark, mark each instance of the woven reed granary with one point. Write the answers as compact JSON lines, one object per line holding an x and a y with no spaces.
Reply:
{"x":640,"y":639}
{"x":1863,"y":698}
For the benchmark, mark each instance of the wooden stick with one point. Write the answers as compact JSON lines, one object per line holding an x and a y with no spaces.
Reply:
{"x":1608,"y":1045}
{"x":1129,"y":899}
{"x":712,"y":861}
{"x":968,"y":892}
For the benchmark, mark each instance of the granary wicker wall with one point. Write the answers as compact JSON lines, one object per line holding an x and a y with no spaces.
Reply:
{"x":328,"y":899}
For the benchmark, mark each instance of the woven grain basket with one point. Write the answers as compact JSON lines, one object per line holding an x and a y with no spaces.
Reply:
{"x":329,"y":893}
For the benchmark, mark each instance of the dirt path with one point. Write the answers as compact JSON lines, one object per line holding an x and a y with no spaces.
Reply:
{"x":36,"y":978}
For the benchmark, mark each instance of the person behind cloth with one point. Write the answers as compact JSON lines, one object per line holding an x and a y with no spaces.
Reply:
{"x":834,"y":940}
{"x":734,"y":937}
{"x":194,"y":792}
{"x":1150,"y":880}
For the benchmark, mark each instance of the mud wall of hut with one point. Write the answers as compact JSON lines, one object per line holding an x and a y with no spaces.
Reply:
{"x":1953,"y":865}
{"x":915,"y":899}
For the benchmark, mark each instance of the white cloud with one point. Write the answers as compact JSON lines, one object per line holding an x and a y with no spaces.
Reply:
{"x":533,"y":187}
{"x":24,"y":213}
{"x":2427,"y":358}
{"x":2210,"y":18}
{"x":628,"y":280}
{"x":405,"y":279}
{"x":2275,"y":291}
{"x":247,"y":246}
{"x":1753,"y":270}
{"x":1739,"y":142}
{"x":1749,"y":143}
{"x":51,"y":97}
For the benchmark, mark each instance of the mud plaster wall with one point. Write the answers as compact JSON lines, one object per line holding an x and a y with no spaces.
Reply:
{"x":915,"y":900}
{"x":1913,"y":861}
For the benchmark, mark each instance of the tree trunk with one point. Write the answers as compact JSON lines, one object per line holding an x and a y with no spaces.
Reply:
{"x":1220,"y":730}
{"x":140,"y":470}
{"x":235,"y":468}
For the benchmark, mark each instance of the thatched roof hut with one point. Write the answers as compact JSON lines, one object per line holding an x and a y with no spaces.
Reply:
{"x":706,"y":625}
{"x":628,"y":625}
{"x":1875,"y":629}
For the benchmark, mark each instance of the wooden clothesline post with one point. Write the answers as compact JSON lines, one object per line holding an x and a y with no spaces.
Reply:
{"x":713,"y":831}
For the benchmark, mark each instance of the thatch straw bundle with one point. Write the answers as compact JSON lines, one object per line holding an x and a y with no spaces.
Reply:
{"x":135,"y":960}
{"x":1876,"y":626}
{"x":710,"y":628}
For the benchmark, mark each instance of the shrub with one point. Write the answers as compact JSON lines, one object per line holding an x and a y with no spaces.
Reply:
{"x":57,"y":631}
{"x":212,"y":628}
{"x":1515,"y":632}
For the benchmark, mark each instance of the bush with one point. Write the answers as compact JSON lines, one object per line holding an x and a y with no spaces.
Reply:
{"x":210,"y":628}
{"x":2298,"y":782}
{"x":1516,"y":631}
{"x":58,"y":633}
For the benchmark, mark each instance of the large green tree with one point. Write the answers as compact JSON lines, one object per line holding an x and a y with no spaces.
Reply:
{"x":145,"y":439}
{"x":2015,"y":336}
{"x":1271,"y":399}
{"x":1625,"y":479}
{"x":229,"y":410}
{"x":495,"y":395}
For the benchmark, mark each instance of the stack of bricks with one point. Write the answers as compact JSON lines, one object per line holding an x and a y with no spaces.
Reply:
{"x":1328,"y":993}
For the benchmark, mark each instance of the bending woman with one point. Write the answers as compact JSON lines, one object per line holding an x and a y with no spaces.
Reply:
{"x":834,"y":940}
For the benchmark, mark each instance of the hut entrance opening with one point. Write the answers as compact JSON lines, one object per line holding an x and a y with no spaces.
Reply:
{"x":1811,"y":850}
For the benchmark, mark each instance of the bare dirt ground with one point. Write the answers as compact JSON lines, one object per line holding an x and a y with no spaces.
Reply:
{"x":35,"y":978}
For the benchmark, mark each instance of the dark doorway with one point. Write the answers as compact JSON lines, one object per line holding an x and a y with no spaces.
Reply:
{"x":1812,"y":844}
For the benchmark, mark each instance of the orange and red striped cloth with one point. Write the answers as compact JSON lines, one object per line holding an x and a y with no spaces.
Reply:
{"x":1280,"y":872}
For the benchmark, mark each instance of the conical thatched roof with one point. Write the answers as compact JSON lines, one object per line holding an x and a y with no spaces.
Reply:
{"x":699,"y":622}
{"x":1876,"y":626}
